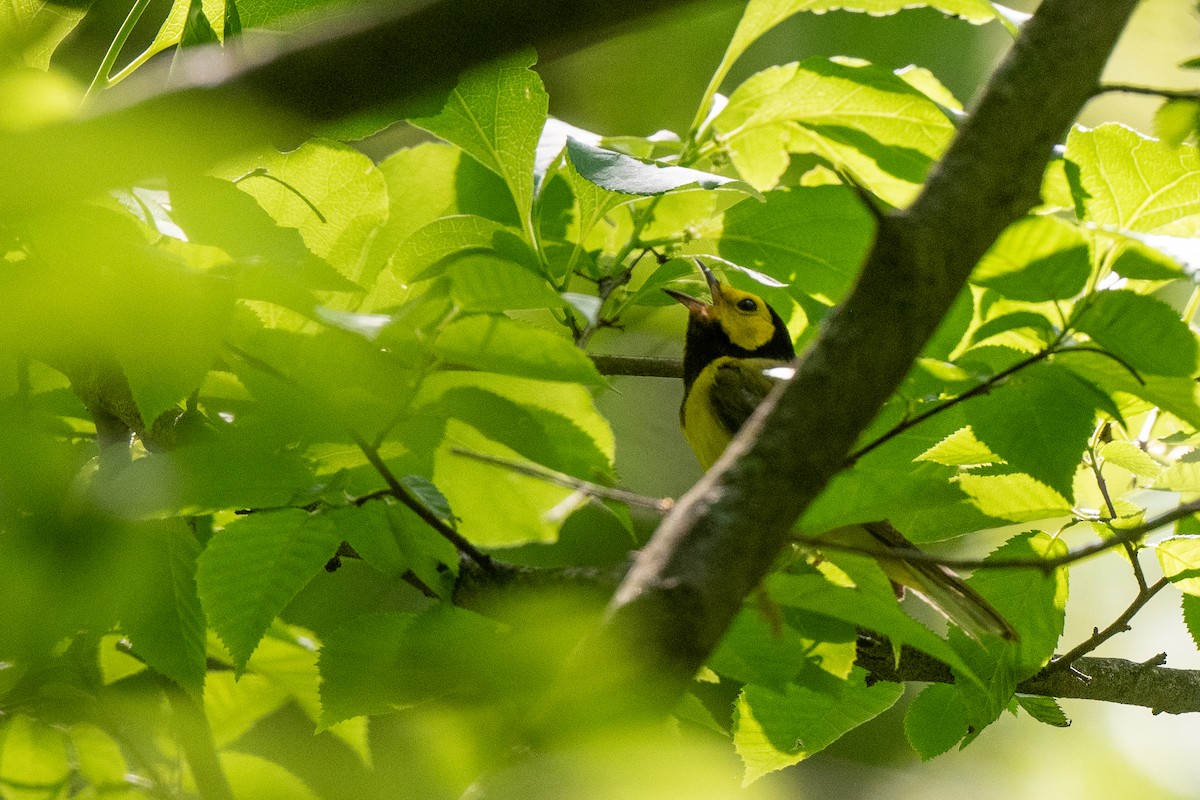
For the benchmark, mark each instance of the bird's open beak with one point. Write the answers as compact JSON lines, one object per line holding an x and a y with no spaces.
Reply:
{"x":695,"y":306}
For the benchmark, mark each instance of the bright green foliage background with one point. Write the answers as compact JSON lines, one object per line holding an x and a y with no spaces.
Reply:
{"x":264,"y":330}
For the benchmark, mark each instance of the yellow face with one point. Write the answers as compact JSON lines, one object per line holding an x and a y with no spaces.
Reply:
{"x":744,"y":317}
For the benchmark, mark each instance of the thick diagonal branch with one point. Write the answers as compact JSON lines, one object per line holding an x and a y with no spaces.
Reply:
{"x":689,"y":582}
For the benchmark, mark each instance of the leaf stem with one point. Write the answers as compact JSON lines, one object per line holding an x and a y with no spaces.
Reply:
{"x":102,"y":80}
{"x":1119,"y":625}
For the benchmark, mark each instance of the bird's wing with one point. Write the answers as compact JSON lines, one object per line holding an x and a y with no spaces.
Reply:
{"x":739,"y":385}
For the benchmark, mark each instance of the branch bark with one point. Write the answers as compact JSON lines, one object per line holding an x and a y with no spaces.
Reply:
{"x":1112,"y":680}
{"x":689,"y":582}
{"x":1108,"y":680}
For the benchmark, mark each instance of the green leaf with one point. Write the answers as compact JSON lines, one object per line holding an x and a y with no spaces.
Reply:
{"x":545,"y":403}
{"x":234,"y":705}
{"x":858,"y":117}
{"x":1129,"y":456}
{"x":1181,"y":476}
{"x":495,"y":507}
{"x":328,"y":191}
{"x":1016,"y":497}
{"x":254,"y":566}
{"x":761,"y":16}
{"x":1179,"y":557}
{"x":97,"y":756}
{"x":1191,"y":616}
{"x":358,"y":666}
{"x":960,"y":449}
{"x":776,"y":730}
{"x":772,"y":655}
{"x":1032,"y":601}
{"x":39,"y":27}
{"x":163,"y":619}
{"x":1128,"y":181}
{"x":1036,"y":259}
{"x":1044,"y":709}
{"x":208,"y":476}
{"x":162,"y":321}
{"x":1141,"y":260}
{"x":1144,"y":331}
{"x":429,"y":247}
{"x":936,"y":720}
{"x":425,"y":183}
{"x":551,"y":439}
{"x":874,"y":610}
{"x":496,"y":114}
{"x":624,"y":174}
{"x":255,"y":776}
{"x":34,"y":754}
{"x":1180,"y":396}
{"x":377,"y":662}
{"x":500,"y":344}
{"x":1000,"y":330}
{"x":484,"y":282}
{"x":179,"y":19}
{"x":1177,"y":120}
{"x":197,"y":30}
{"x":813,"y":239}
{"x":1039,"y":422}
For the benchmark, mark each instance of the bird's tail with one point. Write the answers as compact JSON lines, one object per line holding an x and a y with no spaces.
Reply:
{"x":944,"y":590}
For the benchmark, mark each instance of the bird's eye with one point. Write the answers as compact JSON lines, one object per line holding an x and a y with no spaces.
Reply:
{"x":747,"y":305}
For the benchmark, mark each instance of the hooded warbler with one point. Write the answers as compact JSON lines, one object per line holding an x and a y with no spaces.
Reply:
{"x":737,"y":348}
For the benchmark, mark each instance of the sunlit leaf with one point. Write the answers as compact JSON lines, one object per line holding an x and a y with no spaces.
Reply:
{"x":500,"y":344}
{"x":1039,"y":422}
{"x":812,"y":239}
{"x":776,"y":730}
{"x":1179,"y":558}
{"x":1128,"y":181}
{"x":331,"y":193}
{"x":1144,"y":331}
{"x":496,"y":113}
{"x":513,"y":509}
{"x":1017,"y":497}
{"x":1036,"y":259}
{"x":860,"y":118}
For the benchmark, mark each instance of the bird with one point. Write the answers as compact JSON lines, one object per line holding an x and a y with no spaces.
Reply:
{"x":737,"y":348}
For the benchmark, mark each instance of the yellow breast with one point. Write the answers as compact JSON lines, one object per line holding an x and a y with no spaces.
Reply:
{"x":702,"y":428}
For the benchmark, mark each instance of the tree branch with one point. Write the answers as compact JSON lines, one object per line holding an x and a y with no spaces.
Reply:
{"x":636,"y":365}
{"x":723,"y":537}
{"x":1110,"y":680}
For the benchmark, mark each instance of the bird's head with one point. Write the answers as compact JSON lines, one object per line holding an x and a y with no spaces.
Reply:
{"x":743,"y":319}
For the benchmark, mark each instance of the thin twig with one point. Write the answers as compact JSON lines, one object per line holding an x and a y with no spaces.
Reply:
{"x":639,"y":366}
{"x":975,"y":391}
{"x":398,"y":490}
{"x":658,"y":504}
{"x":1102,"y":485}
{"x":401,"y":492}
{"x":1119,"y":625}
{"x":1156,"y":91}
{"x":914,"y":556}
